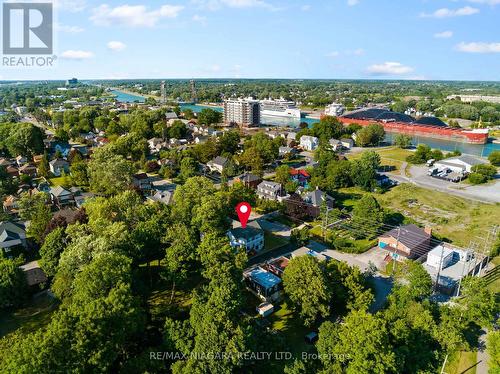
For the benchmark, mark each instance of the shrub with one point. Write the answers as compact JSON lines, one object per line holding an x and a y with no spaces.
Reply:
{"x":476,"y":178}
{"x":494,"y":158}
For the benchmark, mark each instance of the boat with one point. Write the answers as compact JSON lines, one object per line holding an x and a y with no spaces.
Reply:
{"x":279,"y":108}
{"x":431,"y":127}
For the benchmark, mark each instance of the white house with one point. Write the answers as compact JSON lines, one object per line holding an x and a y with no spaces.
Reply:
{"x":459,"y":164}
{"x":335,"y":144}
{"x":347,"y":143}
{"x":250,"y":238}
{"x":57,"y":166}
{"x":309,"y":143}
{"x":269,"y":190}
{"x":217,"y":164}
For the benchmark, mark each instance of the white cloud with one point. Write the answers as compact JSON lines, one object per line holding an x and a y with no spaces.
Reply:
{"x":116,"y":46}
{"x":479,"y":47}
{"x":445,"y":12}
{"x":488,"y":2}
{"x":389,"y":68}
{"x":443,"y":35}
{"x":133,"y":15}
{"x":70,"y":5}
{"x":200,"y":19}
{"x":76,"y":55}
{"x":353,"y":52}
{"x":217,"y":4}
{"x":352,"y":2}
{"x":305,"y":8}
{"x":68,"y":29}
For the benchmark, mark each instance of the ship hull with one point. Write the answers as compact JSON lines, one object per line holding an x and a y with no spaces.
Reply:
{"x":293,"y":113}
{"x":437,"y":132}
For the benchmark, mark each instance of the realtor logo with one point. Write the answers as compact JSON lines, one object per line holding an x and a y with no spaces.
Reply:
{"x":27,"y":28}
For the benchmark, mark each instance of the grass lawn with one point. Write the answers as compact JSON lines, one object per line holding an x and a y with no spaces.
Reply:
{"x":462,"y":362}
{"x":451,"y":217}
{"x":59,"y":181}
{"x":272,"y":241}
{"x":29,"y":318}
{"x":391,"y":157}
{"x":493,"y":278}
{"x":287,"y":323}
{"x":283,"y":220}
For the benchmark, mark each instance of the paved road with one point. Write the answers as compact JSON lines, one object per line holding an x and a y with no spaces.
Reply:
{"x":482,"y":355}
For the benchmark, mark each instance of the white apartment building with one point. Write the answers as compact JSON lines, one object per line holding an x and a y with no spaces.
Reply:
{"x":244,"y":112}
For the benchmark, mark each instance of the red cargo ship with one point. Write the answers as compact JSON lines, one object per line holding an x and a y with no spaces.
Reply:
{"x":473,"y":136}
{"x":401,"y":123}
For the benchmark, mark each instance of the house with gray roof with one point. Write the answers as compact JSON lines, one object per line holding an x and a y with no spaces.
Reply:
{"x":58,"y":165}
{"x":12,"y":234}
{"x":251,"y":238}
{"x":463,"y":163}
{"x":217,"y":164}
{"x":269,"y":190}
{"x":61,"y":196}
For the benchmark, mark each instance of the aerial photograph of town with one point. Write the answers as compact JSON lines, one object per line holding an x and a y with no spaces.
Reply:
{"x":250,"y":186}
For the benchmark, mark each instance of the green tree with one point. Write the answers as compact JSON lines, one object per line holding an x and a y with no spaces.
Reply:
{"x":362,"y":341}
{"x":109,"y":173}
{"x":53,"y":246}
{"x":367,"y":217}
{"x":306,"y":286}
{"x":415,"y":280}
{"x":493,"y":346}
{"x":494,"y":158}
{"x":209,"y":116}
{"x":13,"y":285}
{"x":478,"y":301}
{"x":402,"y":140}
{"x":44,"y":168}
{"x":35,"y":209}
{"x":282,"y":174}
{"x":26,"y":140}
{"x":188,"y":168}
{"x":370,"y":135}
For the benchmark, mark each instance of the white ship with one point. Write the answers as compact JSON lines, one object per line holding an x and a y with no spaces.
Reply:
{"x":279,"y":108}
{"x":334,"y":109}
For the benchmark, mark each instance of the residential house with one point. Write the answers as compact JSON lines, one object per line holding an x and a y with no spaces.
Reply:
{"x":291,"y":137}
{"x":171,"y":116}
{"x":264,"y":284}
{"x":309,"y":143}
{"x":300,"y":176}
{"x":142,"y":182}
{"x":347,"y":143}
{"x":251,"y":238}
{"x":164,"y":197}
{"x":408,"y":241}
{"x":11,"y":205}
{"x":12,"y":171}
{"x":249,"y":180}
{"x":315,"y":199}
{"x":283,"y":151}
{"x":156,"y":145}
{"x":12,"y":234}
{"x":5,"y":162}
{"x":34,"y":274}
{"x":217,"y":164}
{"x":269,"y":190}
{"x":200,"y":139}
{"x":61,"y":197}
{"x":335,"y":144}
{"x":28,"y":169}
{"x":59,"y":165}
{"x":37,"y":159}
{"x":21,"y":160}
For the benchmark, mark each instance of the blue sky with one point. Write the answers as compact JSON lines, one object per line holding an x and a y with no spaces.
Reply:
{"x":410,"y":39}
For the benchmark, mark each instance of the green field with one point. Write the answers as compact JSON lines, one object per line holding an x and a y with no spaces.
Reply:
{"x":456,"y":219}
{"x":391,"y":158}
{"x":463,"y":362}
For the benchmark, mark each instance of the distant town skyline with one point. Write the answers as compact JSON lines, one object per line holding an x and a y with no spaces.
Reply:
{"x":341,"y":39}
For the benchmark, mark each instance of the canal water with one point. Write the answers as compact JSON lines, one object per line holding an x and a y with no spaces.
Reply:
{"x":445,"y":145}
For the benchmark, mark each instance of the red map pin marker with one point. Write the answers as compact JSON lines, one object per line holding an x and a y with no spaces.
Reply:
{"x":243,"y":209}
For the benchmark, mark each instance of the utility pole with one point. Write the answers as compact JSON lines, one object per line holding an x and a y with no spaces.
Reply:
{"x":440,"y":268}
{"x":492,"y":235}
{"x":463,"y":268}
{"x":444,"y":364}
{"x":395,"y":251}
